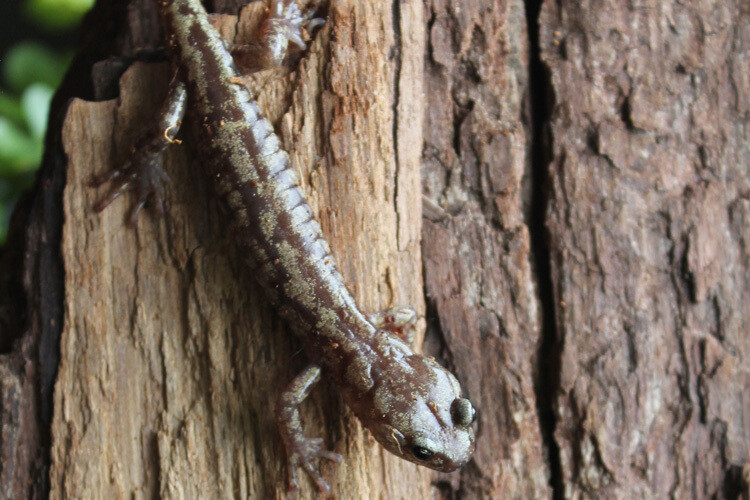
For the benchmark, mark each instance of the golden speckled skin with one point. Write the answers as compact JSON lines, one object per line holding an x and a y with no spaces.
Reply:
{"x":412,"y":405}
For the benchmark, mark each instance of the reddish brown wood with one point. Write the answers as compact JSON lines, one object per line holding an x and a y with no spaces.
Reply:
{"x":479,"y":282}
{"x":648,"y":219}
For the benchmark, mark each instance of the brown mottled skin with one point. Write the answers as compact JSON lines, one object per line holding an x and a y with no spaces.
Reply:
{"x":412,"y":405}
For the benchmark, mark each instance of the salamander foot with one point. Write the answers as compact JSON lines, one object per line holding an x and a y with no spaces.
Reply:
{"x":142,"y":174}
{"x":310,"y":450}
{"x":301,"y":451}
{"x":285,"y":24}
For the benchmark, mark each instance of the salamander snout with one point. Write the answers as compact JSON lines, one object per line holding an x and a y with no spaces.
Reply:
{"x":426,"y":419}
{"x":448,"y":443}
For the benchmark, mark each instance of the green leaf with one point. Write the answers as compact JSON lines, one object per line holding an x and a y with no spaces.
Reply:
{"x":35,"y":102}
{"x":19,"y":152}
{"x":10,"y":108}
{"x":57,"y":15}
{"x":29,"y":62}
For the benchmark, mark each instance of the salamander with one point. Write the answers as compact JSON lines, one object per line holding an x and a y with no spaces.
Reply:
{"x":412,"y":406}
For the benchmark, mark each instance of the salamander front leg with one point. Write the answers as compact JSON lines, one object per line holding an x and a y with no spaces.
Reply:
{"x":400,"y":321}
{"x":284,"y":24}
{"x":300,"y":450}
{"x":143,"y":172}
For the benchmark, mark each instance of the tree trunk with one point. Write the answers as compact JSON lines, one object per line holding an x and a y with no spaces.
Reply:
{"x":650,"y":244}
{"x":171,"y":359}
{"x":575,"y":230}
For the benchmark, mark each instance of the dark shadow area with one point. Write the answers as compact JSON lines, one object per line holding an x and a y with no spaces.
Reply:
{"x":547,"y":379}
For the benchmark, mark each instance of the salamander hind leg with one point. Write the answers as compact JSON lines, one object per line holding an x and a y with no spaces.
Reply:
{"x":400,"y":321}
{"x":143,"y":172}
{"x":285,"y":23}
{"x":301,"y":450}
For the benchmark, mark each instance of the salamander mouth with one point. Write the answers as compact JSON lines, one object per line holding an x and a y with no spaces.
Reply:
{"x":449,"y":466}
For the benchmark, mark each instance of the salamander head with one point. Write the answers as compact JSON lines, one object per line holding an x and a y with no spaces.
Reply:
{"x":420,"y":415}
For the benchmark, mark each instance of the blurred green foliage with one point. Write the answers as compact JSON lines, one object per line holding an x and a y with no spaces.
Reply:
{"x":57,"y":14}
{"x":31,"y":73}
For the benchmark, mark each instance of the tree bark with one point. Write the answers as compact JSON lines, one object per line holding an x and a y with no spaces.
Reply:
{"x":171,"y":359}
{"x":574,"y":228}
{"x":649,"y":235}
{"x":480,"y":287}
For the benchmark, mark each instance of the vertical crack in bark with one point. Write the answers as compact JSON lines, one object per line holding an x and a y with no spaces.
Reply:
{"x":396,"y":55}
{"x":547,"y":378}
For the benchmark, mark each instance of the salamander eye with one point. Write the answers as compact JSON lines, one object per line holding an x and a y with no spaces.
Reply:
{"x":462,"y":412}
{"x":421,"y":453}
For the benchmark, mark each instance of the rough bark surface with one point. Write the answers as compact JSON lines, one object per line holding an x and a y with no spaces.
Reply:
{"x":585,"y":249}
{"x":171,"y":360}
{"x":479,"y":285}
{"x":649,"y":219}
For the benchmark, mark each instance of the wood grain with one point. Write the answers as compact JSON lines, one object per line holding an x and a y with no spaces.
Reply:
{"x":171,"y":360}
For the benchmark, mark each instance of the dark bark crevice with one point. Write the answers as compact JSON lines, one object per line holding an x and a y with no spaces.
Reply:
{"x":547,"y":379}
{"x":395,"y":55}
